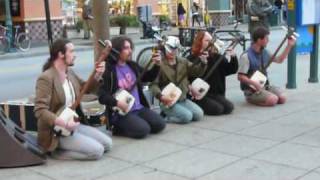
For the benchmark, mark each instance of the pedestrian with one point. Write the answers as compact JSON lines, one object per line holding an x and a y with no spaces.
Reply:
{"x":255,"y":59}
{"x":181,"y":12}
{"x":195,"y":13}
{"x":259,"y":12}
{"x":87,"y":18}
{"x":58,"y":87}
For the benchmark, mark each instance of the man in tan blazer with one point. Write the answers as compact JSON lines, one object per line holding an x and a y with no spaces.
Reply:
{"x":56,"y":88}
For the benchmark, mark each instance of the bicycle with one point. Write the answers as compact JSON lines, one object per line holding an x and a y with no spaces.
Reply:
{"x":21,"y":40}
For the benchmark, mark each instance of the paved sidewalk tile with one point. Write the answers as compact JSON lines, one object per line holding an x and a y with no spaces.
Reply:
{"x":138,"y":173}
{"x":254,"y":170}
{"x":192,"y":162}
{"x":238,"y":145}
{"x":293,"y":155}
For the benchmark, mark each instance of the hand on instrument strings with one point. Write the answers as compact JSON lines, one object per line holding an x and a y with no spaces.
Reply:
{"x":291,"y":41}
{"x":72,"y":125}
{"x":156,"y":57}
{"x":203,"y":57}
{"x":166,"y":100}
{"x":100,"y":68}
{"x":59,"y":122}
{"x":230,"y":52}
{"x":195,"y":94}
{"x":122,"y":105}
{"x":257,"y":86}
{"x":105,"y":52}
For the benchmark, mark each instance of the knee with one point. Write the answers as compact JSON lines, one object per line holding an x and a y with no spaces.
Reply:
{"x":217,"y":110}
{"x":228,"y":109}
{"x":159,"y":126}
{"x":186,"y":117}
{"x":140,"y":133}
{"x":272,"y":100}
{"x":282,"y":99}
{"x":96,"y":152}
{"x":107,"y":144}
{"x":198,"y":115}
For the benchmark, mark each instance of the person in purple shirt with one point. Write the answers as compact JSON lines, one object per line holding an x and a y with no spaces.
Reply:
{"x":123,"y":73}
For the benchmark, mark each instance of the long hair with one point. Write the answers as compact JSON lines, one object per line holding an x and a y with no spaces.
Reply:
{"x":58,"y":46}
{"x":118,"y":43}
{"x":197,"y":43}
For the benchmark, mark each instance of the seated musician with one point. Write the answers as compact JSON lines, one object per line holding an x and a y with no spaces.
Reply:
{"x":215,"y":101}
{"x":58,"y":87}
{"x":177,"y":70}
{"x":256,"y":58}
{"x":124,"y":74}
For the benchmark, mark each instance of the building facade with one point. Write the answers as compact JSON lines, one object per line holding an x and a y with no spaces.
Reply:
{"x":30,"y":15}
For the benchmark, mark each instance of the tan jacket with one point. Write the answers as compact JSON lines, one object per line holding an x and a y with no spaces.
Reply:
{"x":50,"y":98}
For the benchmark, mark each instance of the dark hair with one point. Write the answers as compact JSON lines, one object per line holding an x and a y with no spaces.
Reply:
{"x":197,"y":43}
{"x":58,"y":46}
{"x":118,"y":42}
{"x":259,"y":33}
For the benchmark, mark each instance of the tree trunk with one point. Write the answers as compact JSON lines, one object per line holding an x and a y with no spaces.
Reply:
{"x":101,"y":24}
{"x":122,"y":30}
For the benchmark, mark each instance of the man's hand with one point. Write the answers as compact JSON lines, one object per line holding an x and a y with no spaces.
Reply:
{"x":291,"y":41}
{"x":166,"y":100}
{"x":122,"y":105}
{"x":203,"y":57}
{"x":156,"y":57}
{"x":257,"y":86}
{"x":72,"y":125}
{"x":100,"y":68}
{"x":195,"y":94}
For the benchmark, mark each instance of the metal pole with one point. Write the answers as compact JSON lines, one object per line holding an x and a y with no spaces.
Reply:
{"x":314,"y":56}
{"x":8,"y":21}
{"x":48,"y":21}
{"x":292,"y":58}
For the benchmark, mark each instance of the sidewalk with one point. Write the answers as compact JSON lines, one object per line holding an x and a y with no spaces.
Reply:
{"x":252,"y":143}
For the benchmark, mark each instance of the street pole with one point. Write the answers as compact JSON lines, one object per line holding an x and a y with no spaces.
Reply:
{"x":9,"y":23}
{"x":48,"y":21}
{"x":314,"y":56}
{"x":292,"y":58}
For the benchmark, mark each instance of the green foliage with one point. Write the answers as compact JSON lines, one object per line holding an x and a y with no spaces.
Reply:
{"x":124,"y":21}
{"x":164,"y":18}
{"x":79,"y":25}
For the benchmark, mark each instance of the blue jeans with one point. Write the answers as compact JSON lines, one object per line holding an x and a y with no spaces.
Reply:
{"x":86,"y":143}
{"x":183,"y":112}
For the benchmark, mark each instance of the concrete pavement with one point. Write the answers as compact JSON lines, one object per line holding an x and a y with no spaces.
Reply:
{"x":252,"y":143}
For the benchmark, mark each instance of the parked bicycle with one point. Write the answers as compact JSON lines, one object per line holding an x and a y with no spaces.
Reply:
{"x":21,"y":40}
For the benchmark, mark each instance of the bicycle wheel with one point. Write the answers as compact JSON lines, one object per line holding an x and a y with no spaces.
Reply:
{"x":185,"y":53}
{"x":144,"y":56}
{"x":4,"y":45}
{"x":23,"y":42}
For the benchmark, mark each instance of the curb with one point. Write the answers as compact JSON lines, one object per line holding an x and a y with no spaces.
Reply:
{"x":85,"y":47}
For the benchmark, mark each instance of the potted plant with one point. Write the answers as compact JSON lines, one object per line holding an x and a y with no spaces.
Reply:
{"x":124,"y":21}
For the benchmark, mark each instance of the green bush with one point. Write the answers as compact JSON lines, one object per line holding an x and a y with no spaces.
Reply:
{"x":79,"y":25}
{"x":164,"y":18}
{"x":124,"y":21}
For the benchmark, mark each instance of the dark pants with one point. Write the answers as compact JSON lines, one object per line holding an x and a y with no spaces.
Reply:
{"x":138,"y":124}
{"x":215,"y":105}
{"x":195,"y":17}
